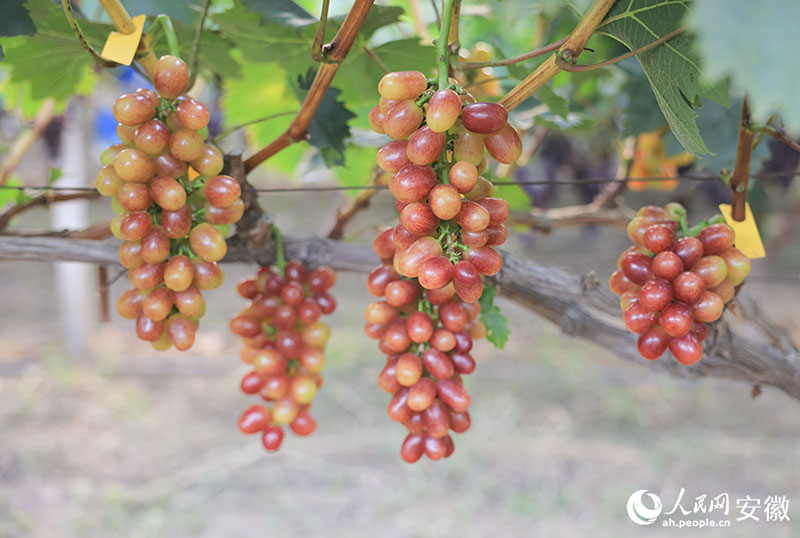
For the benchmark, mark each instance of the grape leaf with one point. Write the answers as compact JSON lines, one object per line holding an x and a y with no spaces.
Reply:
{"x":284,"y":12}
{"x":557,"y":104}
{"x":51,"y":63}
{"x":15,"y":20}
{"x":496,"y":323}
{"x":673,"y":68}
{"x":574,"y":122}
{"x":756,"y":48}
{"x":328,"y":129}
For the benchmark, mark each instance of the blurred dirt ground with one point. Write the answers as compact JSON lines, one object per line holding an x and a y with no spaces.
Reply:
{"x":124,"y":441}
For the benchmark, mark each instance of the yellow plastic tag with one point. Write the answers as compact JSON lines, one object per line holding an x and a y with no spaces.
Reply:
{"x":192,"y":174}
{"x":748,"y":240}
{"x":121,"y":48}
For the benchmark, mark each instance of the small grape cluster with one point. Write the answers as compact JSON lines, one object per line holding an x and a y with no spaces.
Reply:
{"x":171,"y":224}
{"x":433,"y":260}
{"x":676,"y":279}
{"x":427,"y":336}
{"x":284,"y":342}
{"x":449,"y":218}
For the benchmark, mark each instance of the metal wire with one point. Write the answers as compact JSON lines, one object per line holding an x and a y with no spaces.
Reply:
{"x":767,"y":176}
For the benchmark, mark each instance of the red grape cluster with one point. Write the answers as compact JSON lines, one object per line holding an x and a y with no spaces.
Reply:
{"x":675,"y":280}
{"x":171,"y":225}
{"x":433,"y":260}
{"x":449,"y":219}
{"x":284,"y":342}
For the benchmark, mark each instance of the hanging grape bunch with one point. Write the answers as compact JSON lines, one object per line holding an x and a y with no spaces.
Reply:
{"x":171,"y":225}
{"x":676,"y":279}
{"x":284,"y":342}
{"x":433,"y":260}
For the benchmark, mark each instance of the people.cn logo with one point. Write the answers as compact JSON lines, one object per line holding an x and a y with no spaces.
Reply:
{"x":641,"y":514}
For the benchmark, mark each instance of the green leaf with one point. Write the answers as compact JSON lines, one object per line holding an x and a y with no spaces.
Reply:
{"x":283,"y":12}
{"x":328,"y":129}
{"x":9,"y":197}
{"x":559,"y":106}
{"x":51,"y":63}
{"x":640,"y":113}
{"x":673,"y":68}
{"x":574,"y":122}
{"x":215,"y":50}
{"x":756,"y":45}
{"x":496,"y":323}
{"x":15,"y":20}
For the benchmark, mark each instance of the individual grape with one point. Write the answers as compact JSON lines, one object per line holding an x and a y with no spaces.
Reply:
{"x":134,"y":196}
{"x":303,"y":424}
{"x":179,"y":273}
{"x":412,"y":183}
{"x":425,"y":146}
{"x":409,"y":262}
{"x":110,"y":153}
{"x":130,"y":254}
{"x":468,"y":146}
{"x":467,"y":281}
{"x":155,"y":246}
{"x":170,"y":77}
{"x":403,"y":119}
{"x":637,"y":267}
{"x":472,"y":216}
{"x":392,"y":157}
{"x":376,"y":119}
{"x":725,"y":289}
{"x":483,"y":189}
{"x":189,"y":302}
{"x":152,"y":137}
{"x":186,"y":145}
{"x":438,"y":363}
{"x":737,"y":265}
{"x":210,"y":162}
{"x":127,"y":134}
{"x":207,"y":275}
{"x":658,"y":238}
{"x":108,"y":182}
{"x":463,"y":176}
{"x":667,"y":265}
{"x":505,"y":146}
{"x":676,"y":319}
{"x":497,"y":235}
{"x":135,"y":226}
{"x":463,"y":362}
{"x":418,"y":219}
{"x":150,"y":94}
{"x":192,"y":114}
{"x":170,"y":166}
{"x":712,"y":269}
{"x":653,"y":343}
{"x":167,"y":193}
{"x":158,"y":304}
{"x":222,"y":191}
{"x":484,"y":118}
{"x":444,"y":108}
{"x":716,"y":238}
{"x":421,"y":394}
{"x":224,"y":215}
{"x":207,"y":242}
{"x":134,"y":165}
{"x":398,"y":409}
{"x":686,"y":349}
{"x":618,"y":283}
{"x":412,"y":449}
{"x":453,"y":317}
{"x":401,"y":85}
{"x":475,"y":239}
{"x":254,"y":419}
{"x":485,"y":260}
{"x":688,"y":287}
{"x":133,"y":109}
{"x":435,"y":273}
{"x":498,"y":209}
{"x":177,"y":224}
{"x":385,"y":105}
{"x":460,"y":422}
{"x":656,"y":294}
{"x":303,"y":389}
{"x":251,"y":383}
{"x":147,"y":329}
{"x":435,"y":447}
{"x":689,"y":250}
{"x":453,"y":394}
{"x":436,"y":419}
{"x":130,"y":303}
{"x":636,"y":229}
{"x":443,"y":340}
{"x":637,"y":318}
{"x":708,"y":307}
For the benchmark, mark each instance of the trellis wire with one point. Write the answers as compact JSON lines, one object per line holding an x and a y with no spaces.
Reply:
{"x":768,"y":176}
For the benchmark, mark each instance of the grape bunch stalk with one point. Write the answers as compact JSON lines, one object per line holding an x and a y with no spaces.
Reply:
{"x":172,"y":225}
{"x":284,"y":343}
{"x":433,"y":260}
{"x":676,"y":279}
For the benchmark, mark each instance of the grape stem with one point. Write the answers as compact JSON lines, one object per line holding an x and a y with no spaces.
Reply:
{"x":169,"y":33}
{"x":442,"y":49}
{"x":741,"y":169}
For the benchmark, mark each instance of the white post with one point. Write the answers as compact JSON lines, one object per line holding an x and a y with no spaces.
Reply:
{"x":73,"y":281}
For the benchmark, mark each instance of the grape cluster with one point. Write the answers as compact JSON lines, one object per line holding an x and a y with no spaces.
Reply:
{"x":675,"y":280}
{"x":433,"y":260}
{"x":171,"y":224}
{"x":284,"y":342}
{"x":449,"y":219}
